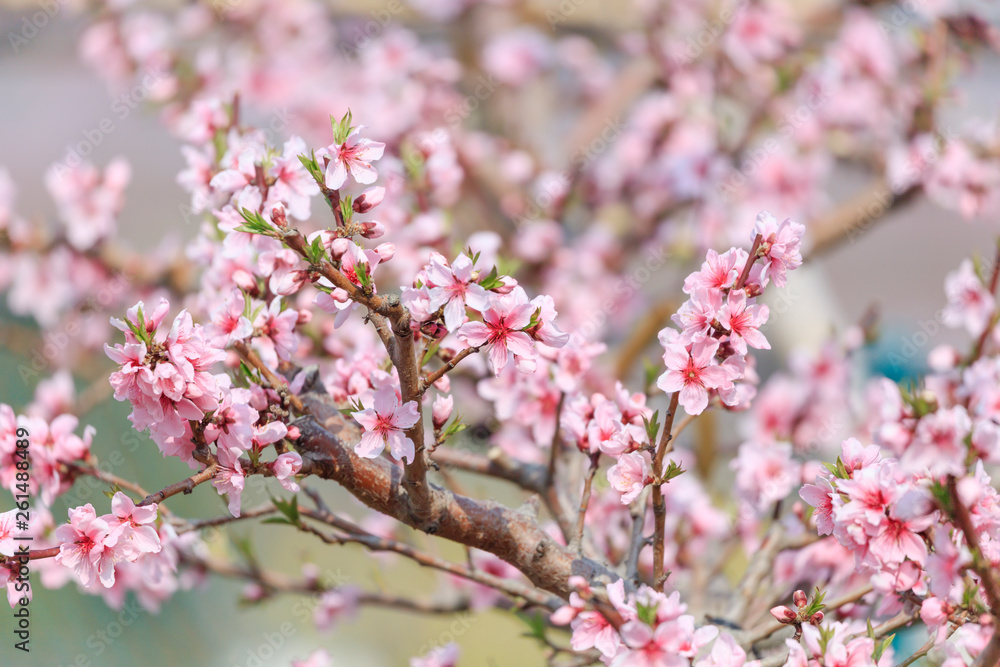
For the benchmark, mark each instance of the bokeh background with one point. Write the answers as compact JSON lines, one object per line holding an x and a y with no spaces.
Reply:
{"x":49,"y":99}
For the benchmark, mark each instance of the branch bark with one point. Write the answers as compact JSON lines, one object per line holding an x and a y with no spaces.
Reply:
{"x":510,"y":535}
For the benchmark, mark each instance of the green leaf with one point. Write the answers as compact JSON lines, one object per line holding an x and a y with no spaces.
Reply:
{"x":673,"y":470}
{"x":254,"y":223}
{"x":816,"y":604}
{"x":346,"y":209}
{"x":646,"y":614}
{"x":361,"y":270}
{"x":490,"y":281}
{"x":279,"y":519}
{"x":535,"y":623}
{"x":652,"y":426}
{"x":454,"y":428}
{"x":431,"y":351}
{"x":290,"y":508}
{"x":881,"y":647}
{"x":343,"y":128}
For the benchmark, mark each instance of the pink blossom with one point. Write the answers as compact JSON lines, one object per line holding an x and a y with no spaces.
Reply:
{"x":277,"y":340}
{"x":293,"y":185}
{"x":318,"y":658}
{"x":629,"y":476}
{"x":820,"y":496}
{"x":969,"y":303}
{"x":726,"y":653}
{"x":385,"y":421}
{"x":781,"y":246}
{"x":134,"y":533}
{"x":230,"y":479}
{"x":744,"y":322}
{"x":442,"y":656}
{"x":286,"y":466}
{"x":692,"y":374}
{"x":88,"y":201}
{"x":898,"y":536}
{"x":354,"y":156}
{"x":502,"y":332}
{"x":717,"y":271}
{"x":87,"y":546}
{"x":441,"y":411}
{"x":8,"y":545}
{"x":340,"y":604}
{"x":454,"y":288}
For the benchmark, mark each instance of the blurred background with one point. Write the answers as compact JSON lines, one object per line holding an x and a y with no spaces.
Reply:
{"x":50,"y":99}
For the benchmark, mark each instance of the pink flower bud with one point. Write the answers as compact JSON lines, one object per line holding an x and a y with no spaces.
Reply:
{"x":816,"y":618}
{"x":253,"y":592}
{"x":783,"y":614}
{"x":443,"y":384}
{"x":800,"y":599}
{"x":339,"y":247}
{"x":507,"y":287}
{"x":305,"y":316}
{"x":368,"y":199}
{"x":372,"y":229}
{"x":278,"y":215}
{"x":293,"y":433}
{"x":245,"y":281}
{"x":386,"y":251}
{"x":442,"y":410}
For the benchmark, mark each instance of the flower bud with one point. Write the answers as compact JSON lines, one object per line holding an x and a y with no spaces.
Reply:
{"x":441,"y":412}
{"x":385,"y":251}
{"x":507,"y":287}
{"x":371,"y":229}
{"x":800,"y":599}
{"x":305,"y":316}
{"x":278,"y":215}
{"x":368,"y":199}
{"x":339,"y":247}
{"x":816,"y":618}
{"x":784,"y":614}
{"x":245,"y":281}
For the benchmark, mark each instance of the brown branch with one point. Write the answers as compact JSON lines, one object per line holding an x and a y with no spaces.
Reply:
{"x":751,"y":258}
{"x":226,"y":519}
{"x":853,"y":217}
{"x":272,"y":378}
{"x":659,"y":505}
{"x":431,"y":378}
{"x":512,"y":536}
{"x":276,"y":582}
{"x":355,"y":535}
{"x":184,"y":486}
{"x":981,"y":343}
{"x":991,"y":653}
{"x":576,"y":544}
